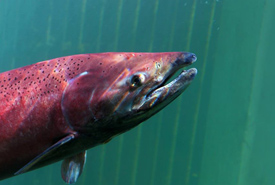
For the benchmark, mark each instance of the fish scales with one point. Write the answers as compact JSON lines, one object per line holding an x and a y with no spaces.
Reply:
{"x":29,"y":87}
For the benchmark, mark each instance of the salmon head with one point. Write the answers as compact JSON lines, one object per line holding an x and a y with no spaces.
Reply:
{"x":114,"y":92}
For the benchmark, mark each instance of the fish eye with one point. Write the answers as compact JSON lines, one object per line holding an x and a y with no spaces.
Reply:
{"x":137,"y":80}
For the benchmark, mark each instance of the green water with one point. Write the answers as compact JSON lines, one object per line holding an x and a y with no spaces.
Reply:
{"x":221,"y":131}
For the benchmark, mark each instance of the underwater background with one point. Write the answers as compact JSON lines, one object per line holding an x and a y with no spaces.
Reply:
{"x":220,"y":131}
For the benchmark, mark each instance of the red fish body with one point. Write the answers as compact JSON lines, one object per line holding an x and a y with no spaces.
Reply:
{"x":30,"y":112}
{"x":59,"y":108}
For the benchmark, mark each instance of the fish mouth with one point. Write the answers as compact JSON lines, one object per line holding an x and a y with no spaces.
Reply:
{"x":165,"y":92}
{"x":180,"y":82}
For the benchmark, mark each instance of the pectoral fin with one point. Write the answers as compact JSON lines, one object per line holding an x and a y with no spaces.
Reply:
{"x":72,"y":167}
{"x":45,"y":153}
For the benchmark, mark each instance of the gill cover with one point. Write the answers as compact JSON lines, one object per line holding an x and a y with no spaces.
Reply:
{"x":75,"y":102}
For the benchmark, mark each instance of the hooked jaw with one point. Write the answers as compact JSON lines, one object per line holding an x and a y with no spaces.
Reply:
{"x":163,"y":94}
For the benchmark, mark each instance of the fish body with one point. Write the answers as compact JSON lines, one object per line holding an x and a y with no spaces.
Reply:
{"x":59,"y":108}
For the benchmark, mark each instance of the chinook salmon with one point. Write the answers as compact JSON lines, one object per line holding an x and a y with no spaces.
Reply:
{"x":59,"y":108}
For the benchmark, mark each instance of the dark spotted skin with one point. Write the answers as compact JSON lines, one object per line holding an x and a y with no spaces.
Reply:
{"x":31,"y":119}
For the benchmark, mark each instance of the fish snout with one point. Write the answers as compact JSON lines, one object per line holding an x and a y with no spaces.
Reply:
{"x":185,"y":59}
